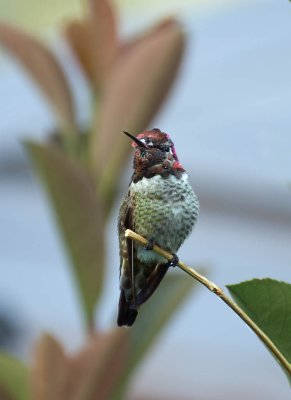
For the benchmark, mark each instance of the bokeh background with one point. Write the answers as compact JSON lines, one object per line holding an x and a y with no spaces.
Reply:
{"x":229,"y":115}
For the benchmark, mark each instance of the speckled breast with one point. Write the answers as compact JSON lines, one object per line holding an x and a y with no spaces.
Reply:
{"x":165,"y":209}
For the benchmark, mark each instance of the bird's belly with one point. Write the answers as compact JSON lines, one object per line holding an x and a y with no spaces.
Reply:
{"x":164,"y":210}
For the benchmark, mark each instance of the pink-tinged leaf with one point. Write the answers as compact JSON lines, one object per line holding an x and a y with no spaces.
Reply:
{"x":96,"y":369}
{"x":44,"y":68}
{"x":80,"y":216}
{"x":78,"y":36}
{"x":50,"y":371}
{"x":94,"y":40}
{"x":104,"y":34}
{"x":133,"y":93}
{"x":165,"y":23}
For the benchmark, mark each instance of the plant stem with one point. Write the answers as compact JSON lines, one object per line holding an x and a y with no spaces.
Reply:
{"x":219,"y":292}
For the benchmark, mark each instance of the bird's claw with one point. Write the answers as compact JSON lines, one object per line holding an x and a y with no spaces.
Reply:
{"x":174,"y":261}
{"x":150,"y":244}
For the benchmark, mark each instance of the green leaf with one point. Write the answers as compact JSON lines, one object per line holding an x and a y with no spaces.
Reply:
{"x":268,"y":303}
{"x":14,"y":378}
{"x":80,"y":217}
{"x":152,"y":318}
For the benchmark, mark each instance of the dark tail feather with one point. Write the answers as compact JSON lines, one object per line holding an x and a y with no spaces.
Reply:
{"x":153,"y":282}
{"x":126,"y":313}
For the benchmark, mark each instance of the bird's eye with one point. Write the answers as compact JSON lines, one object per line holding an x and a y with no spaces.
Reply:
{"x":166,"y":149}
{"x":146,"y":141}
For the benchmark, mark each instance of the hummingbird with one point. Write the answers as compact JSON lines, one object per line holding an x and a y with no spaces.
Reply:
{"x":162,"y":207}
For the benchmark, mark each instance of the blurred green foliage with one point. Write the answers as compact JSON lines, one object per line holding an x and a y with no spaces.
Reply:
{"x":14,"y":380}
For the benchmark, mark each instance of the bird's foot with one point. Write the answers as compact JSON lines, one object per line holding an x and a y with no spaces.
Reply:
{"x":150,"y":244}
{"x":174,"y":261}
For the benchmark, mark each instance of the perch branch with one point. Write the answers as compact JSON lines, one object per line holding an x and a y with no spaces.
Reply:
{"x":219,"y":292}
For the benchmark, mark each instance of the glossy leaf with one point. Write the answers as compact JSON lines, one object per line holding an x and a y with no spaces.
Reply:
{"x":14,"y":379}
{"x":94,"y":40}
{"x":133,"y":92}
{"x":80,"y":217}
{"x":50,"y":371}
{"x":268,"y":303}
{"x":152,"y":319}
{"x":43,"y":67}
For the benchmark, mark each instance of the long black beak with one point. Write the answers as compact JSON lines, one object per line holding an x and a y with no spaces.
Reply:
{"x":137,"y":141}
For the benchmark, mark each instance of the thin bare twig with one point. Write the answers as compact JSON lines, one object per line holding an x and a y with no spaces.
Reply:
{"x":219,"y":292}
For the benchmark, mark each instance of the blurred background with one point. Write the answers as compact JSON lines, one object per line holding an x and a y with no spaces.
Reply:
{"x":229,"y":116}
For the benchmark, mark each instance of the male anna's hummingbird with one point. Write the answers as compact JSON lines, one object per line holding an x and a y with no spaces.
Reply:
{"x":160,"y":206}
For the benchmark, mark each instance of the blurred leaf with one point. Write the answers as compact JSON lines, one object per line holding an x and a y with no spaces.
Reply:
{"x":152,"y":318}
{"x":80,"y":216}
{"x":43,"y":67}
{"x":14,"y":379}
{"x":165,"y":23}
{"x":133,"y":92}
{"x":78,"y":35}
{"x":50,"y":372}
{"x":94,"y":40}
{"x":39,"y":15}
{"x":96,"y":369}
{"x":4,"y":394}
{"x":89,"y":375}
{"x":268,"y":303}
